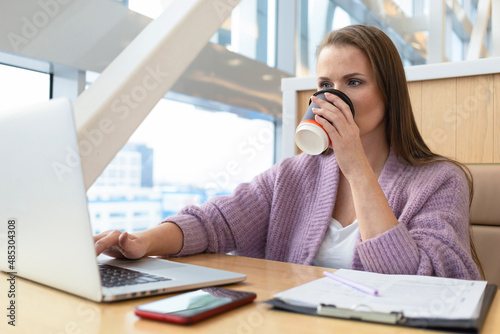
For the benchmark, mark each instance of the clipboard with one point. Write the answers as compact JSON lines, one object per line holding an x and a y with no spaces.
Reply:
{"x":362,"y":313}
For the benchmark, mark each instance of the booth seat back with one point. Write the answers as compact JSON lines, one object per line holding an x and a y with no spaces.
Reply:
{"x":485,"y":218}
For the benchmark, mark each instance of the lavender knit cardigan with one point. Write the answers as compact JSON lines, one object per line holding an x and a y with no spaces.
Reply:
{"x":284,"y":212}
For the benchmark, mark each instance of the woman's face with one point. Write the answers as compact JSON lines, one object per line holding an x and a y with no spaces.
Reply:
{"x":347,"y":69}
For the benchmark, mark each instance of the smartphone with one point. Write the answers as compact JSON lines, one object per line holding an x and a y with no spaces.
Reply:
{"x":193,"y":306}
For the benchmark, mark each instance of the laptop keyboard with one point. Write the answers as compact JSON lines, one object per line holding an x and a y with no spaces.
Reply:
{"x":112,"y":276}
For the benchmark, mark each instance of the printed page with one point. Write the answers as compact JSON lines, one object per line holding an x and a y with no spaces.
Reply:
{"x":415,"y":296}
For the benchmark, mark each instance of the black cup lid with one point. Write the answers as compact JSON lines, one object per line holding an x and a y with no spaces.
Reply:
{"x":340,"y":94}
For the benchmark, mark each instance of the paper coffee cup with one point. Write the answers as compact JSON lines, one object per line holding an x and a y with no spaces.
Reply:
{"x":310,"y":136}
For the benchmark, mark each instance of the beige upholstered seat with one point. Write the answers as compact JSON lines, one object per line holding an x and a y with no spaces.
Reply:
{"x":485,"y":217}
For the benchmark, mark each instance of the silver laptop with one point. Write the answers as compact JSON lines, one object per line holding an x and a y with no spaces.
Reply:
{"x":44,"y":215}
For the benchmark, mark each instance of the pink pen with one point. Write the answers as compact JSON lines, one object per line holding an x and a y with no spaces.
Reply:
{"x":348,"y":282}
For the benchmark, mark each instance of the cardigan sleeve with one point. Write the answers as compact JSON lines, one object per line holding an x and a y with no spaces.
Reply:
{"x":432,"y":237}
{"x":237,"y":222}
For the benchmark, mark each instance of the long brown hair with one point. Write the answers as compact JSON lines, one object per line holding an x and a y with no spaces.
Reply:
{"x":402,"y":133}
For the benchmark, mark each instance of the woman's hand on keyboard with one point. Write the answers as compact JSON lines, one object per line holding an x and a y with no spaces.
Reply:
{"x":120,"y":245}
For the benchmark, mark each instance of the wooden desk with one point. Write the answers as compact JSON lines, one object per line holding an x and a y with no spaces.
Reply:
{"x":48,"y":311}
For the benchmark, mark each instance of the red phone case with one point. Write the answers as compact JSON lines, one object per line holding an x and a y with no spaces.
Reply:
{"x":186,"y":320}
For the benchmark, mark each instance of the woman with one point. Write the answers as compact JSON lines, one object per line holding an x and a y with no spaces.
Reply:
{"x":405,"y":209}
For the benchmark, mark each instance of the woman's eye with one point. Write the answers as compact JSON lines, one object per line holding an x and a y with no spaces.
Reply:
{"x":325,"y":85}
{"x":353,"y":82}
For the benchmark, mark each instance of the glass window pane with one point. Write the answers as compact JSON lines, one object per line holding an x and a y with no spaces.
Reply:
{"x":406,"y":6}
{"x":21,"y":87}
{"x":406,"y":22}
{"x":251,"y":30}
{"x":457,"y":49}
{"x":340,"y":19}
{"x":180,"y":155}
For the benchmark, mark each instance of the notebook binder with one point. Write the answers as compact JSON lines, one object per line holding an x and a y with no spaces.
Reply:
{"x":394,"y":318}
{"x":357,"y":314}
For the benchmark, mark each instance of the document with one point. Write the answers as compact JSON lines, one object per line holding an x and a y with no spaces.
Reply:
{"x":413,"y":296}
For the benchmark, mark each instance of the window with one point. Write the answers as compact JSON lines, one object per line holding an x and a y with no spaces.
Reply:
{"x":182,"y":154}
{"x":249,"y":31}
{"x":22,"y":87}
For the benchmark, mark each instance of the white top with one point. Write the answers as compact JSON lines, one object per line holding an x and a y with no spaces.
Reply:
{"x":337,"y":248}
